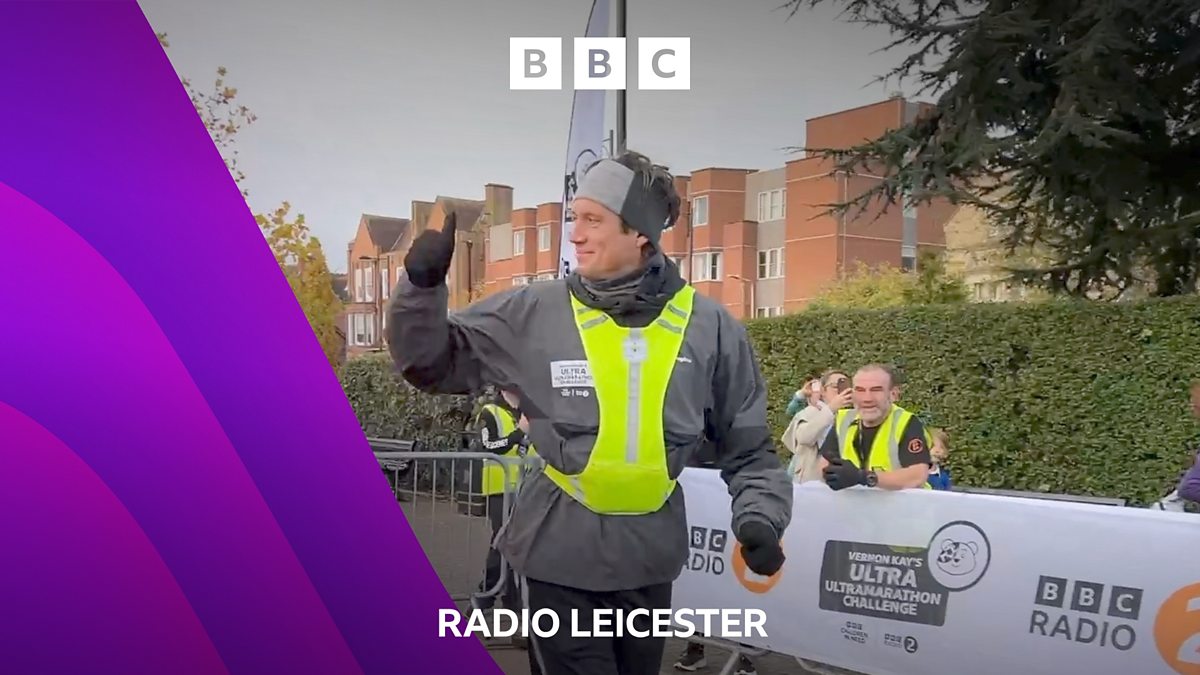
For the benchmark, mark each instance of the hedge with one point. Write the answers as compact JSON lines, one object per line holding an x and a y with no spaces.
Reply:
{"x":1067,"y":397}
{"x":388,"y":407}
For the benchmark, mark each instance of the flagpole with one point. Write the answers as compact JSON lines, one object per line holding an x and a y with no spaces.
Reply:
{"x":621,"y":92}
{"x":587,"y":137}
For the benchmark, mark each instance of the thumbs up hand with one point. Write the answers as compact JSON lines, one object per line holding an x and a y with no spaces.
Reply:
{"x":428,"y":258}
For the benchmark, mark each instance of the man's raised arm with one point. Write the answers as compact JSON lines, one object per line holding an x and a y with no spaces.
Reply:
{"x":443,"y":353}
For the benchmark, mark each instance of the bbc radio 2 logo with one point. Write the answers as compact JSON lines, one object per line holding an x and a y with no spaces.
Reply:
{"x":599,"y":63}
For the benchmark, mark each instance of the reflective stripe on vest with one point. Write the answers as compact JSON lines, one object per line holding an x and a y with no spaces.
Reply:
{"x":492,"y":476}
{"x":630,"y":368}
{"x":884,"y":454}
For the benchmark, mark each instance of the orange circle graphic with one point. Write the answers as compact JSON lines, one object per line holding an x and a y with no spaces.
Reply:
{"x":1177,"y":630}
{"x":740,"y":571}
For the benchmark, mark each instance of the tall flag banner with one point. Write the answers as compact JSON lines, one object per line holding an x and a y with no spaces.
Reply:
{"x":586,"y":141}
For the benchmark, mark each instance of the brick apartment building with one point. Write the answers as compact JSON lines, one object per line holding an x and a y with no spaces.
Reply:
{"x":761,"y":244}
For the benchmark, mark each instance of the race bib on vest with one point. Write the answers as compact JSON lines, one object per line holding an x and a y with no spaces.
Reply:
{"x":564,"y":374}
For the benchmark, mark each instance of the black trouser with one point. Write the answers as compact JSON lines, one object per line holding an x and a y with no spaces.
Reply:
{"x":566,"y":655}
{"x":491,"y":574}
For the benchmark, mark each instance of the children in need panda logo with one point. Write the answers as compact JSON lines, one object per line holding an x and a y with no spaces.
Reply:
{"x":960,"y":555}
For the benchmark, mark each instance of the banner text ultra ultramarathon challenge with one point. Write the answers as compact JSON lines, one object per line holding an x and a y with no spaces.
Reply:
{"x":879,"y":581}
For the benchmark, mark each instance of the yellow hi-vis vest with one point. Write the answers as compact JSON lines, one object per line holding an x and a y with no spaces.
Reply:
{"x":626,"y":473}
{"x":884,"y":454}
{"x":492,"y":480}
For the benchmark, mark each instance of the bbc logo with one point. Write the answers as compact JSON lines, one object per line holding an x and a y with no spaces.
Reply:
{"x":599,"y":63}
{"x":1123,"y":602}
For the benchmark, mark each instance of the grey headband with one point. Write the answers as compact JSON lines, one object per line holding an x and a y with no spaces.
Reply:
{"x":619,"y":189}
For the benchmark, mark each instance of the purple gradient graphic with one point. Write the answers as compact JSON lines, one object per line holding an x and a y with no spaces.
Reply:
{"x":179,"y":407}
{"x":82,"y":556}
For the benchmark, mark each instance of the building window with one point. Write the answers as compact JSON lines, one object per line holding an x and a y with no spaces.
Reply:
{"x":518,"y":243}
{"x":369,"y":285}
{"x":699,"y":211}
{"x":770,"y":263}
{"x":767,"y":312}
{"x":385,"y":289}
{"x":985,"y":292}
{"x":521,"y":280}
{"x":358,"y":285}
{"x":399,"y":274}
{"x":362,"y":330}
{"x":706,"y":266}
{"x":545,"y":276}
{"x":772,"y":205}
{"x":544,"y":238}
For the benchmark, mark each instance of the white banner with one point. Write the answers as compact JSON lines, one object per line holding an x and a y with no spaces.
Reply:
{"x":586,"y":141}
{"x":927,"y":582}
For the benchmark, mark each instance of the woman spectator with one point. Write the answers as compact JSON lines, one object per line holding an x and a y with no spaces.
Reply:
{"x":811,"y":423}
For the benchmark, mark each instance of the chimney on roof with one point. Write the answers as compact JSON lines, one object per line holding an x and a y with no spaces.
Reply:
{"x":420,"y":216}
{"x":498,"y":203}
{"x":895,"y":95}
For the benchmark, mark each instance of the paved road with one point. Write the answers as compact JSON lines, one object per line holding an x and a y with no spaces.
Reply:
{"x":456,"y":545}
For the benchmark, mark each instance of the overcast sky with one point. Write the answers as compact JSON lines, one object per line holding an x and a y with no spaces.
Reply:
{"x":364,"y":106}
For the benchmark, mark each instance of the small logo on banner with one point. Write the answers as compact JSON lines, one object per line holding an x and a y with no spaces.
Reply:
{"x":1177,"y":630}
{"x":565,"y":374}
{"x":906,"y":642}
{"x":854,"y":632}
{"x":959,"y":555}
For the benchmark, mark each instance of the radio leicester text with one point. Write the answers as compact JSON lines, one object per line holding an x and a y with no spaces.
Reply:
{"x":638,"y":623}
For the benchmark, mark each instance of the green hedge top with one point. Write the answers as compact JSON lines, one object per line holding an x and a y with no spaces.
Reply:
{"x":1068,"y":397}
{"x":388,"y":407}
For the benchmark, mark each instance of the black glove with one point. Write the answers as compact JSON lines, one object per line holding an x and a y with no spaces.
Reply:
{"x":428,"y":259}
{"x":760,"y":548}
{"x":840,"y":474}
{"x":517,"y":437}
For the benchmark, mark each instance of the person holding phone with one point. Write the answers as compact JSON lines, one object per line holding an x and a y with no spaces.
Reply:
{"x":811,"y":425}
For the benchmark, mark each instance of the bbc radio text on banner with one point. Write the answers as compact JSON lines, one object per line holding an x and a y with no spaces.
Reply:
{"x":536,"y":63}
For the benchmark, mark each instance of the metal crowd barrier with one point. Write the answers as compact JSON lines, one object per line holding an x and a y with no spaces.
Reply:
{"x":440,"y":493}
